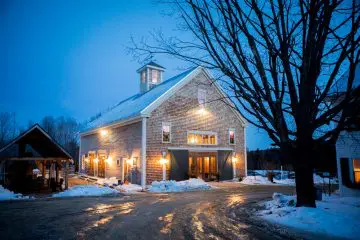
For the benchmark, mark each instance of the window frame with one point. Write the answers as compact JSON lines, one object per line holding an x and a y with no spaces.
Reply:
{"x":201,"y":93}
{"x":234,"y":130}
{"x":83,"y":161}
{"x":162,"y":132}
{"x":196,"y":132}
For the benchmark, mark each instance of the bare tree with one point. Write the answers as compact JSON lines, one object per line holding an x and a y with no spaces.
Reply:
{"x":8,"y":127}
{"x":280,"y":60}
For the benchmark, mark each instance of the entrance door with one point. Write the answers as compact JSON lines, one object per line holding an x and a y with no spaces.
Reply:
{"x":101,"y":166}
{"x":89,"y":166}
{"x":202,"y":165}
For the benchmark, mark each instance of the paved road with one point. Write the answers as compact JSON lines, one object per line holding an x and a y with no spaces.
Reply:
{"x":216,"y":214}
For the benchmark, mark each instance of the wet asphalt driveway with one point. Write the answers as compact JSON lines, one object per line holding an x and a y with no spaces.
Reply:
{"x":222,"y":213}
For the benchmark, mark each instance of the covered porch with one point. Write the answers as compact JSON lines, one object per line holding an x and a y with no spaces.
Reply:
{"x":34,"y":162}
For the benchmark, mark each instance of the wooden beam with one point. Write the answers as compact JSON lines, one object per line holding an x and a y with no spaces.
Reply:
{"x":66,"y":174}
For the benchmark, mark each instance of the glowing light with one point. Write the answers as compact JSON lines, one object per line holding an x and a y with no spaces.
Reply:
{"x":109,"y":160}
{"x":129,"y":161}
{"x":234,"y":159}
{"x":96,"y":160}
{"x":163,"y":161}
{"x":86,"y":159}
{"x":104,"y":132}
{"x":202,"y":110}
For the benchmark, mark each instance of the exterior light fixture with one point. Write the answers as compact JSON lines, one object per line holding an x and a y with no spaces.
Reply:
{"x":96,"y":160}
{"x":104,"y":132}
{"x":163,"y":161}
{"x":129,"y":161}
{"x":109,"y":160}
{"x":234,"y":160}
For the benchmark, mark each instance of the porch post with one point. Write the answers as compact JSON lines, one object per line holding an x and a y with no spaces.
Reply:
{"x":143,"y":153}
{"x":66,"y":174}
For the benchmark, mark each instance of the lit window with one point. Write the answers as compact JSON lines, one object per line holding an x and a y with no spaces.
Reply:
{"x":231,"y":136}
{"x":154,"y":76}
{"x":201,"y":138}
{"x":356,"y":164}
{"x":166,"y":132}
{"x":143,"y":76}
{"x":202,"y":97}
{"x":118,"y":162}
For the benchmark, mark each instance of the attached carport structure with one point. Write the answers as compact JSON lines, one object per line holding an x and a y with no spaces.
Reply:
{"x":36,"y":147}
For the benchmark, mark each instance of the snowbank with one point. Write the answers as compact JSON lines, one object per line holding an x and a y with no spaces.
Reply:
{"x":261,"y":179}
{"x":335,"y":216}
{"x":181,"y":186}
{"x":129,"y":188}
{"x":86,"y":190}
{"x":254,"y":180}
{"x":6,"y":194}
{"x":113,"y":181}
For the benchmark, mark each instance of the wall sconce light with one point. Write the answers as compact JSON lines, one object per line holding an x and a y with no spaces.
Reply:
{"x":86,"y":159}
{"x":108,"y":160}
{"x":130,"y":161}
{"x":163,"y":161}
{"x":104,"y":132}
{"x":234,"y":160}
{"x":96,"y":160}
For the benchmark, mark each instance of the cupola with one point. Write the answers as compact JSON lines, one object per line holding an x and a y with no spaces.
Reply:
{"x":151,"y":74}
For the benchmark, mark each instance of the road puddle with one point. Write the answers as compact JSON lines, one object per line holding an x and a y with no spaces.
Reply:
{"x":167,"y":219}
{"x":235,"y":199}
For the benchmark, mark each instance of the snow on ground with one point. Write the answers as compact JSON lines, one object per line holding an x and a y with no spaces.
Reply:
{"x":113,"y":181}
{"x":335,"y":216}
{"x":86,"y":190}
{"x":181,"y":186}
{"x":129,"y":188}
{"x":6,"y":194}
{"x":253,"y":180}
{"x":261,"y":178}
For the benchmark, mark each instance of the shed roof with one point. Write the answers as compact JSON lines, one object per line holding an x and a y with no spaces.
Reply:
{"x":34,"y":143}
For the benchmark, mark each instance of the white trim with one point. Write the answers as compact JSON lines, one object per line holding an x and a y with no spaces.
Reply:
{"x":234,"y":130}
{"x":201,"y":149}
{"x":245,"y":153}
{"x":165,"y":96}
{"x":150,"y":66}
{"x":162,"y":131}
{"x":196,"y":132}
{"x":112,"y":125}
{"x":143,"y":153}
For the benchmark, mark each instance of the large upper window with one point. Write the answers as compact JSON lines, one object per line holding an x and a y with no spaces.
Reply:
{"x":154,"y":76}
{"x":166,"y":132}
{"x":201,"y":138}
{"x":202,"y":97}
{"x":231,"y":136}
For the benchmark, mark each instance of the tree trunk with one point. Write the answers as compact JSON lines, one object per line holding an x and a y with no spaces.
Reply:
{"x":304,"y":176}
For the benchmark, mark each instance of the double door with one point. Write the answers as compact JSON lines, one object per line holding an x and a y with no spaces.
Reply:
{"x":203,"y":165}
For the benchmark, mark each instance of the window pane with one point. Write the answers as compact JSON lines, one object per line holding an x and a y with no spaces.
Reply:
{"x":205,"y":139}
{"x":212,"y":139}
{"x":154,"y":77}
{"x":231,"y":136}
{"x":166,"y":133}
{"x":206,"y":165}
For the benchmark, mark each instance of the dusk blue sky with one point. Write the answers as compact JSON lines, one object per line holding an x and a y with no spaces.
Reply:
{"x":69,"y":58}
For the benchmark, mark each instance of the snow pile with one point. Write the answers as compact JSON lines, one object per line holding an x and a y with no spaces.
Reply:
{"x":86,"y":190}
{"x":334,"y":217}
{"x":254,"y":180}
{"x":129,"y":188}
{"x":113,"y":181}
{"x":6,"y":194}
{"x":181,"y":186}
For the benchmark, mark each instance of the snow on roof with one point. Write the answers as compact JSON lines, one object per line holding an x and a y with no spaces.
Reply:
{"x":132,"y":106}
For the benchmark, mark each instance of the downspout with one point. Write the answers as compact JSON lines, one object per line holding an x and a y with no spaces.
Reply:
{"x":143,"y":153}
{"x":245,"y":154}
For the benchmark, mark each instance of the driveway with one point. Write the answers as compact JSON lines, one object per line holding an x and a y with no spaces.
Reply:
{"x":221,"y":213}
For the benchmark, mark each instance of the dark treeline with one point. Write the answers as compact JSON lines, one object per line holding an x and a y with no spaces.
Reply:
{"x":64,"y":130}
{"x":272,"y":159}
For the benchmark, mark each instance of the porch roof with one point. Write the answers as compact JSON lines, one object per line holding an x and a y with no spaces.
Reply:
{"x":34,"y":144}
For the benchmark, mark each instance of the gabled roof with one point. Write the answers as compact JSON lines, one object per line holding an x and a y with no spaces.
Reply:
{"x":151,"y":64}
{"x":37,"y":143}
{"x":142,"y":104}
